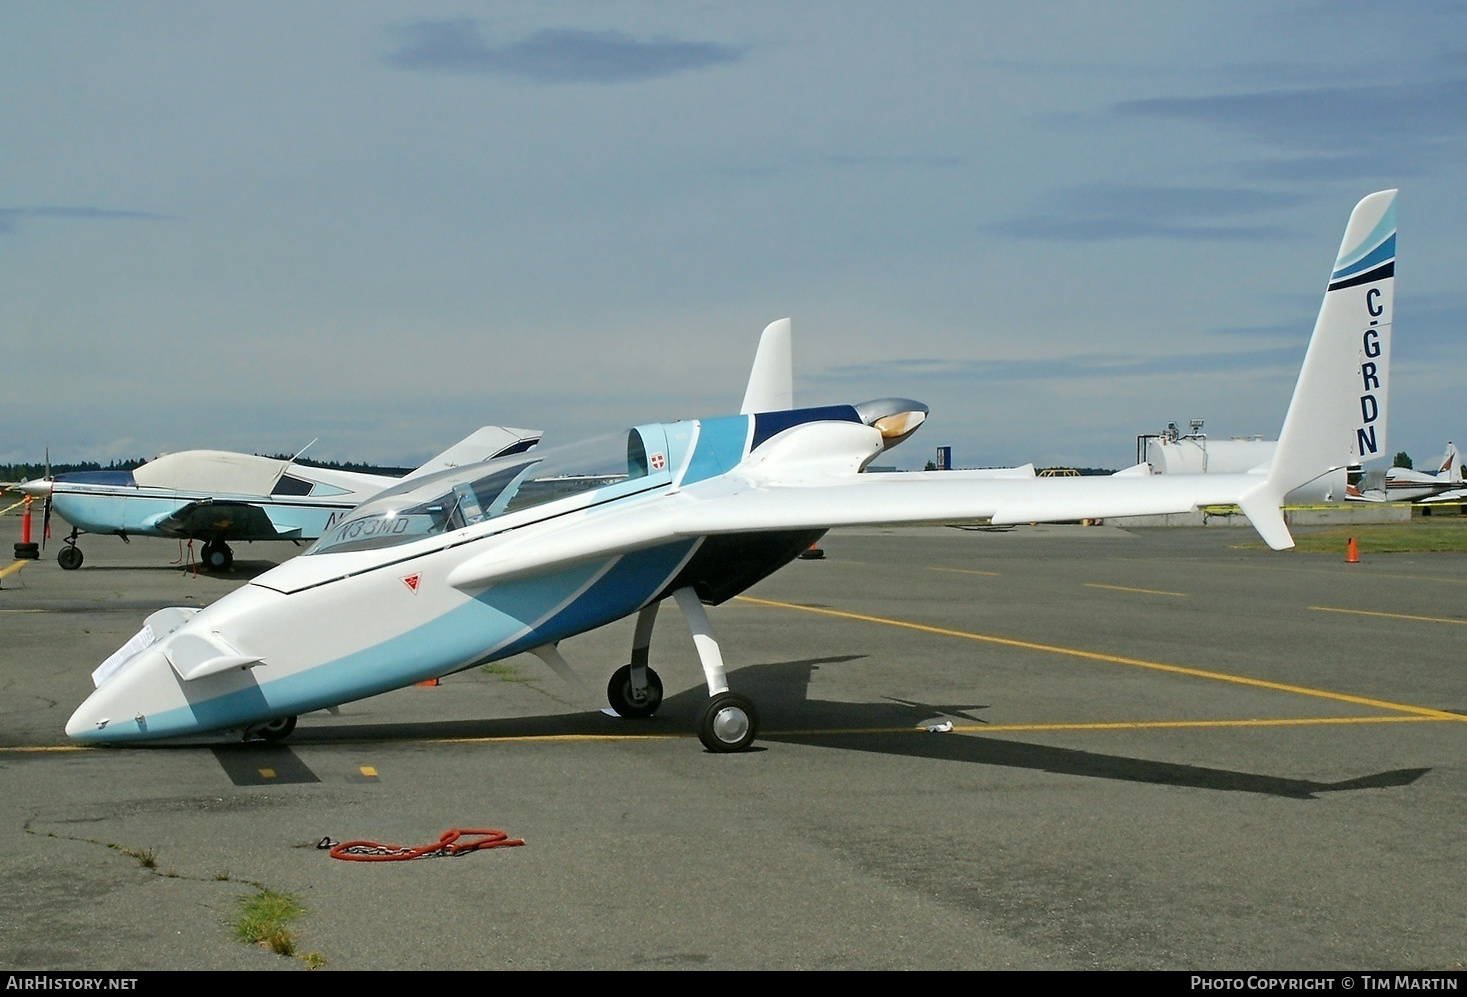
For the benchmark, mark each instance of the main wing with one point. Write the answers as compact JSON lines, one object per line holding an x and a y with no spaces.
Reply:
{"x":807,"y":474}
{"x":227,"y":518}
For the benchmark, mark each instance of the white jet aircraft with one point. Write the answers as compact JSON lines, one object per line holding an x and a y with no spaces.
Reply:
{"x":218,"y":496}
{"x":464,"y":567}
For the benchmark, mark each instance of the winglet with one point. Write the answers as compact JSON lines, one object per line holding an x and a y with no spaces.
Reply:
{"x":772,"y":381}
{"x":1337,"y":417}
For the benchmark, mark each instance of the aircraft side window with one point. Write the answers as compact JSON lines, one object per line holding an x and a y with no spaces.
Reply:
{"x":636,"y":455}
{"x":288,"y":485}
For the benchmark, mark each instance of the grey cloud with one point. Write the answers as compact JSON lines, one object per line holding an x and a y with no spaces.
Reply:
{"x":1087,"y":366}
{"x":553,"y":55}
{"x":1350,"y":130}
{"x":10,"y":217}
{"x":1110,"y":213}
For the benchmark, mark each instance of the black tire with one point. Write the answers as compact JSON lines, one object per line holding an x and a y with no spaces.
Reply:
{"x":274,"y":730}
{"x":619,"y":693}
{"x":729,"y":723}
{"x":217,"y":556}
{"x":27,"y":551}
{"x":70,"y":558}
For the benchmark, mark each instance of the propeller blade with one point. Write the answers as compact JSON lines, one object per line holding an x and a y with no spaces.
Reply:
{"x":46,"y":509}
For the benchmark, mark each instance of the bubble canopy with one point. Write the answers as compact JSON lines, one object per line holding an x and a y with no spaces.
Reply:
{"x":582,"y":474}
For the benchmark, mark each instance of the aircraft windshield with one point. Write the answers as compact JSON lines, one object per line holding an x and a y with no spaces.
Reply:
{"x":463,"y":496}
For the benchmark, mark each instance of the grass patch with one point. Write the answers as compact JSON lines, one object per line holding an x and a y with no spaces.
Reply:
{"x":1426,"y":534}
{"x":146,"y":857}
{"x":505,"y":673}
{"x":264,"y":920}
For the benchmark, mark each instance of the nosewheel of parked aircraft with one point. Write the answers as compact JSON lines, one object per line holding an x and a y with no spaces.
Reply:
{"x":70,"y":558}
{"x":216,"y":555}
{"x":630,"y":702}
{"x":729,"y":723}
{"x":273,"y":730}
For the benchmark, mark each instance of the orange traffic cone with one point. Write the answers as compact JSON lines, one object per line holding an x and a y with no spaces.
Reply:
{"x":812,"y":553}
{"x":1352,"y":552}
{"x":426,"y":683}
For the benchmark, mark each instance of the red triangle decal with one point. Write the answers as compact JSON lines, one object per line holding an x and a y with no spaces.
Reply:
{"x":411,"y":581}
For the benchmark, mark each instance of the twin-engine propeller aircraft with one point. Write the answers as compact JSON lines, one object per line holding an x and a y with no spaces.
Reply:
{"x":217,"y":496}
{"x":478,"y":563}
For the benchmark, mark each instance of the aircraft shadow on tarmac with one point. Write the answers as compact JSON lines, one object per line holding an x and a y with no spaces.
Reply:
{"x":890,"y":727}
{"x":239,"y":570}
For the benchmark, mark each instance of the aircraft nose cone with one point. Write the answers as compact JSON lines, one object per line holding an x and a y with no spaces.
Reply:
{"x":125,"y":706}
{"x":39,"y":488}
{"x":84,"y":723}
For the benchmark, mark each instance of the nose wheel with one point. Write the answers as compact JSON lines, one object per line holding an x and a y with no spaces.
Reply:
{"x":729,"y":723}
{"x":70,"y":555}
{"x":272,"y":730}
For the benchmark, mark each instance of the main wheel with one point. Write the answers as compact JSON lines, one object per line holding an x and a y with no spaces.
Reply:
{"x":70,"y":558}
{"x":274,"y":730}
{"x":729,"y":723}
{"x":625,"y":701}
{"x":217,"y":556}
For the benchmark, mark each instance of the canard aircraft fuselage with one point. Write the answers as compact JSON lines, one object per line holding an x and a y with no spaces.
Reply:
{"x":479,"y":563}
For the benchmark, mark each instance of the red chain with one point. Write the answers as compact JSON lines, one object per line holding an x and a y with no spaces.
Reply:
{"x":449,"y":844}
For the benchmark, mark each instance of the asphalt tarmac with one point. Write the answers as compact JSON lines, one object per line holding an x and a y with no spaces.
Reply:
{"x":1168,"y":751}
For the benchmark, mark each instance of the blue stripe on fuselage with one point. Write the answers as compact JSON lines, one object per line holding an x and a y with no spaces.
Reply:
{"x":620,"y":592}
{"x":768,"y":424}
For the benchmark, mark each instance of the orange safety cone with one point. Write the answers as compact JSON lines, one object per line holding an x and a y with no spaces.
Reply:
{"x":812,"y":553}
{"x":1352,"y":552}
{"x":427,"y":683}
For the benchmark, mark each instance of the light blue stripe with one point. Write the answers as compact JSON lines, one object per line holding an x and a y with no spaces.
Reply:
{"x":1386,"y":251}
{"x":1383,"y":230}
{"x":720,"y":447}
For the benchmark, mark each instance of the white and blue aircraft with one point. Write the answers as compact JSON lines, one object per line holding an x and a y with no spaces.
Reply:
{"x":217,"y":496}
{"x":481,"y":562}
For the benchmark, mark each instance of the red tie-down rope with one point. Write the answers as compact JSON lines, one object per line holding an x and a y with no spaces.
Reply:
{"x":448,"y":845}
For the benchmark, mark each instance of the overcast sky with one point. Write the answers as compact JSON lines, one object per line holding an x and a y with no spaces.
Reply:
{"x":248,"y":225}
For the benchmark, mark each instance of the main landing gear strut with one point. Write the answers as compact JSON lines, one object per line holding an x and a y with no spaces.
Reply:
{"x":729,"y":721}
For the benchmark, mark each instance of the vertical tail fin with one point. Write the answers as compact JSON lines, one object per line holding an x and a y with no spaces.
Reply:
{"x":771,"y":382}
{"x":1451,"y":465}
{"x":1337,"y":417}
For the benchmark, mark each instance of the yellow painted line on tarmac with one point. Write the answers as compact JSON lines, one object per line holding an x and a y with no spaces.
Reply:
{"x":1254,"y":566}
{"x":1126,"y":588}
{"x":979,"y":728}
{"x":963,"y":571}
{"x":369,"y":772}
{"x":15,"y":567}
{"x":1393,"y":616}
{"x":1117,"y":660}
